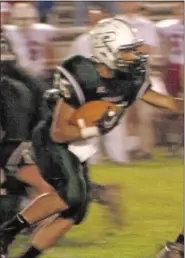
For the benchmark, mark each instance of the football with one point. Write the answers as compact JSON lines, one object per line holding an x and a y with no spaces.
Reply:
{"x":89,"y":113}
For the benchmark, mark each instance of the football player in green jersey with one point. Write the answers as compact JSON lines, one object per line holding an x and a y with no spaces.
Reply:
{"x":117,"y":72}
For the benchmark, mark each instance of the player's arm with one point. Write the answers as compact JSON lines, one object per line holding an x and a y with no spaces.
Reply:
{"x":162,"y":101}
{"x":61,"y":128}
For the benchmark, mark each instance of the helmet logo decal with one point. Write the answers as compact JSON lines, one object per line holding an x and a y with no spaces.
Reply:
{"x":100,"y":39}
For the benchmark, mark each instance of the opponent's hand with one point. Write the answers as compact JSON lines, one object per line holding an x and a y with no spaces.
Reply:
{"x":109,"y":120}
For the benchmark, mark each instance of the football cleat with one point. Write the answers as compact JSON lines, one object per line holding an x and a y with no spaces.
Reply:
{"x":112,"y":196}
{"x":172,"y":250}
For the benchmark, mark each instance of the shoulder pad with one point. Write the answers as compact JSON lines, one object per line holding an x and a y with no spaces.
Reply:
{"x":67,"y":84}
{"x":83,"y":69}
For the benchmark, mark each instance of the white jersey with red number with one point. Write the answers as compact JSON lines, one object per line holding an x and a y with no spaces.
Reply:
{"x":30,"y":46}
{"x":174,"y":31}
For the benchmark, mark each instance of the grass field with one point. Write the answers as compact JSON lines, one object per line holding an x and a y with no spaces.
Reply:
{"x":153,"y":197}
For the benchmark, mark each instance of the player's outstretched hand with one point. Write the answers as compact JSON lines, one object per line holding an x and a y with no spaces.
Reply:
{"x":109,"y":120}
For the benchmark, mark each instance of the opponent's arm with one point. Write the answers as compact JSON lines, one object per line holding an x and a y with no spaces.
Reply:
{"x":167,"y":102}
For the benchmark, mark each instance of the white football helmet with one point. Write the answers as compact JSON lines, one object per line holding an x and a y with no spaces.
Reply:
{"x":109,"y":37}
{"x":24,"y":15}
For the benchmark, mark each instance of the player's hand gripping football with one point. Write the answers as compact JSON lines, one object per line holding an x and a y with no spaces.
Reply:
{"x":109,"y":120}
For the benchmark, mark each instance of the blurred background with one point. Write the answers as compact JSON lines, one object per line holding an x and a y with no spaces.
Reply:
{"x":149,"y":140}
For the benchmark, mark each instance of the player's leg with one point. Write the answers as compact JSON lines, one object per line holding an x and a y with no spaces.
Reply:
{"x":14,"y":89}
{"x":108,"y":196}
{"x":131,"y":127}
{"x":173,"y":249}
{"x":117,"y":137}
{"x":30,"y":174}
{"x":61,"y":167}
{"x":40,"y":206}
{"x":58,"y":166}
{"x":51,"y":202}
{"x":53,"y":229}
{"x":11,"y":192}
{"x":146,"y":129}
{"x":45,"y":205}
{"x":173,"y":86}
{"x":46,"y":236}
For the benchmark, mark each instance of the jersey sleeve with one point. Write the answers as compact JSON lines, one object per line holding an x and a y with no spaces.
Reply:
{"x":77,"y":80}
{"x":66,"y":87}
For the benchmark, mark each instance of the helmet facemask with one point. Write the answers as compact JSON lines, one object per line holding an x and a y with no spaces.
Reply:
{"x":130,"y":57}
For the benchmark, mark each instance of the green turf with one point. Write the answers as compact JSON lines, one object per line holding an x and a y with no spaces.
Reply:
{"x":153,"y":199}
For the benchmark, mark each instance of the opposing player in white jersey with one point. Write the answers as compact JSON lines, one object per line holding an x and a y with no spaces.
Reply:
{"x":172,"y":42}
{"x":172,"y":37}
{"x":31,"y":41}
{"x":139,"y":119}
